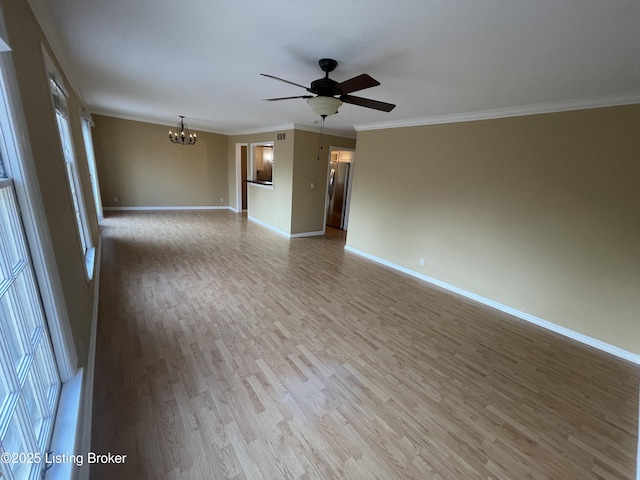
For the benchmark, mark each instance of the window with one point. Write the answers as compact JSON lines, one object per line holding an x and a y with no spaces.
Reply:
{"x":29,"y":380}
{"x":36,"y":345}
{"x":3,"y":171}
{"x":60,"y":105}
{"x":87,"y":123}
{"x":262,"y":163}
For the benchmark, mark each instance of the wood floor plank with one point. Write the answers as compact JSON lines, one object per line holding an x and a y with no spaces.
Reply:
{"x":226,"y":351}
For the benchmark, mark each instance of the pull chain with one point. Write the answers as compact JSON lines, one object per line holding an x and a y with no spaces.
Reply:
{"x":321,"y":136}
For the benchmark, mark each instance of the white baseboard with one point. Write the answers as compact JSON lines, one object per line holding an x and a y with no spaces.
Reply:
{"x":593,"y":342}
{"x":282,"y":232}
{"x":270,"y":227}
{"x":72,"y":430}
{"x":84,"y":445}
{"x":306,"y":234}
{"x":213,"y":207}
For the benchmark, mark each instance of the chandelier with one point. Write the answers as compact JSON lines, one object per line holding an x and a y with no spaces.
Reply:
{"x":182,"y":136}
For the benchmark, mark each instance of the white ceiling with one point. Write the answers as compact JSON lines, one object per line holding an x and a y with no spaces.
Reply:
{"x":153,"y":60}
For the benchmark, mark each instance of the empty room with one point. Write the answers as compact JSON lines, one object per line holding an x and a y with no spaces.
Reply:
{"x":338,"y":240}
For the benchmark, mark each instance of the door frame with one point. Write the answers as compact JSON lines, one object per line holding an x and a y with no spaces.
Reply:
{"x":347,"y":204}
{"x":239,"y":146}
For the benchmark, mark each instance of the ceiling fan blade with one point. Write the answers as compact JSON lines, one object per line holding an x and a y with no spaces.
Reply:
{"x":366,"y":102}
{"x":283,"y":80}
{"x":285,"y":98}
{"x":357,"y":83}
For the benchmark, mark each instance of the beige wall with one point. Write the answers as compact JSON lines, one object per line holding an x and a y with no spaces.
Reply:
{"x":271,"y":206}
{"x":539,"y":213}
{"x":312,"y":166}
{"x":140,"y":166}
{"x":291,"y":206}
{"x":26,"y":41}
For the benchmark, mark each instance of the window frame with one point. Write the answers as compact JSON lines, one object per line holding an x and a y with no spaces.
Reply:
{"x":19,"y":165}
{"x":86,"y":123}
{"x":251,"y":173}
{"x":31,"y":377}
{"x":61,"y":113}
{"x":18,"y":162}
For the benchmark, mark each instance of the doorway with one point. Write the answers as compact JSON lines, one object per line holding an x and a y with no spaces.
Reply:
{"x":241,"y":176}
{"x":339,"y":181}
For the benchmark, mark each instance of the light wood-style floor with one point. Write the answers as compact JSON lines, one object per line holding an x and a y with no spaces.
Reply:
{"x":226,"y":351}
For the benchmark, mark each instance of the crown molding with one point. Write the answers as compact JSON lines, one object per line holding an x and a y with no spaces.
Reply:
{"x":327,"y":131}
{"x":295,"y":126}
{"x":267,"y":129}
{"x":534,"y":109}
{"x":154,"y":121}
{"x":252,"y":131}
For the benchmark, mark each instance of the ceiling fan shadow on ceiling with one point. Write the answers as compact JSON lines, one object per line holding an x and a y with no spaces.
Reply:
{"x":329,"y":95}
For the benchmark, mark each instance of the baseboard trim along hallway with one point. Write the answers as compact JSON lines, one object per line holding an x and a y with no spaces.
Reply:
{"x":593,"y":342}
{"x":166,"y":208}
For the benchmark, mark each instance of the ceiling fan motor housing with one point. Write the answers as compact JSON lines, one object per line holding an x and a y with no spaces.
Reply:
{"x":325,"y":87}
{"x":327,"y":64}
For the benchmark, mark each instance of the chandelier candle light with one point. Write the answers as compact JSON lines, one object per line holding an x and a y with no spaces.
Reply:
{"x":182,"y":136}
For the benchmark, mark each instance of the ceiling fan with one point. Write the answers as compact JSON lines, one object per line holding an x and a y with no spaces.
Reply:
{"x":329,"y":94}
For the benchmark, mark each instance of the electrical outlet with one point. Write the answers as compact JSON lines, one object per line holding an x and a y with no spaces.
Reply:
{"x":422,"y":262}
{"x":221,"y":199}
{"x":116,"y":199}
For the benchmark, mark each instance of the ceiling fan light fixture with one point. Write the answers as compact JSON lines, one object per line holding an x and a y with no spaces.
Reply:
{"x":324,"y":106}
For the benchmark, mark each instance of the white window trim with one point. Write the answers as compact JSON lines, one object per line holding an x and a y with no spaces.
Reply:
{"x":37,"y":345}
{"x":15,"y":148}
{"x":19,"y":164}
{"x":87,"y":123}
{"x":251,"y":170}
{"x":84,"y":232}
